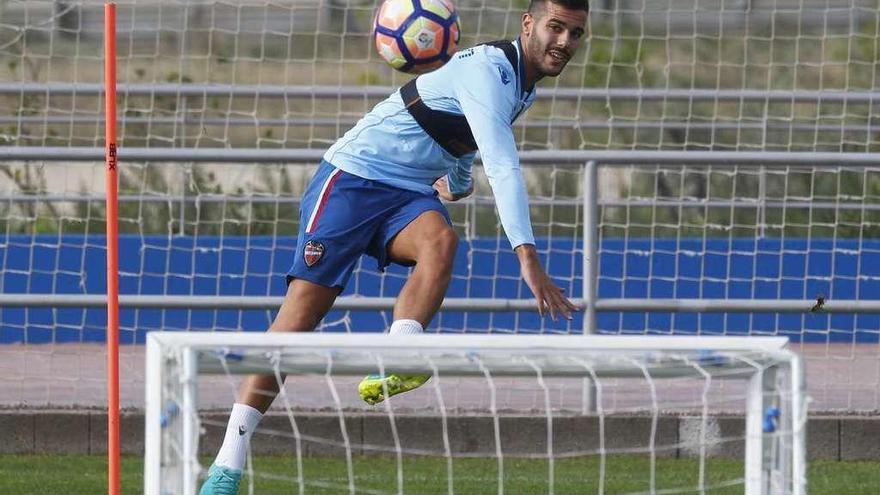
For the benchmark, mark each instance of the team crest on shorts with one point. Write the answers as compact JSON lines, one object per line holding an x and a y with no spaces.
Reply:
{"x":313,"y":253}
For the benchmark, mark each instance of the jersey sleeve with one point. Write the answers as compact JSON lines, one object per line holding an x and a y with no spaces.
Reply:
{"x":488,"y":103}
{"x":459,"y":178}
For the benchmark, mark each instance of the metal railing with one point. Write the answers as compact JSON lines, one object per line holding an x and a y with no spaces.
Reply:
{"x":326,"y":91}
{"x":186,"y":114}
{"x":589,"y":160}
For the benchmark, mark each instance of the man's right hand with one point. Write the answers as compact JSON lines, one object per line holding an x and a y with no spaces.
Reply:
{"x":550,"y":297}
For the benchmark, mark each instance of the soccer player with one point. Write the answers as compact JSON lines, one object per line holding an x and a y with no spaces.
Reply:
{"x":376,"y":192}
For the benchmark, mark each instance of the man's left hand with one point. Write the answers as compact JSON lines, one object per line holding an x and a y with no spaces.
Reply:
{"x":551,"y":298}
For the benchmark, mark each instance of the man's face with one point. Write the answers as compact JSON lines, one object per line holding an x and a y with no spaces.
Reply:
{"x":553,"y":35}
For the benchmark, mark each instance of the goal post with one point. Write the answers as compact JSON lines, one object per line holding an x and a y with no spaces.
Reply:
{"x":685,"y":382}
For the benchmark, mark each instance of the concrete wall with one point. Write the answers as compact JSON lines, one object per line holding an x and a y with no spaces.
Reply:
{"x":85,"y":432}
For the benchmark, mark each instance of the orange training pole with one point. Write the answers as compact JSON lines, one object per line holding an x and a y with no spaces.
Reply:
{"x":114,"y":484}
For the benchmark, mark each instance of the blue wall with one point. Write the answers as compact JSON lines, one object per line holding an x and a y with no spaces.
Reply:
{"x":664,"y":268}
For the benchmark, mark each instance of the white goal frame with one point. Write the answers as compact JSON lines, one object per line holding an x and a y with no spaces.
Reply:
{"x":555,"y":352}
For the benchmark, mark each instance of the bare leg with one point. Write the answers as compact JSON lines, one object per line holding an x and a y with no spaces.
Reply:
{"x":430,"y":243}
{"x":303,"y":308}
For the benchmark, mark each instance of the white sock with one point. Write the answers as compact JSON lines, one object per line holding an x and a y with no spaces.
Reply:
{"x":242,"y":422}
{"x":406,"y":327}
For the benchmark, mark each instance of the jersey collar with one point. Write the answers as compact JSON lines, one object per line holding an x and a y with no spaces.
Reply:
{"x":521,"y":69}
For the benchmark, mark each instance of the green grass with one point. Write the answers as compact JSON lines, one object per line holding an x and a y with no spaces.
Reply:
{"x":73,"y":475}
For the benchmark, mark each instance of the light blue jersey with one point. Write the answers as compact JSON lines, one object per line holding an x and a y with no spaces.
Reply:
{"x":388,"y":145}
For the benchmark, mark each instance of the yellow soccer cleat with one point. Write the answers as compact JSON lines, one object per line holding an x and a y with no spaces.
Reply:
{"x":372,"y":391}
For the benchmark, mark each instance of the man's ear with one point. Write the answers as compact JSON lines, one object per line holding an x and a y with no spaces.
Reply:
{"x":528,"y":22}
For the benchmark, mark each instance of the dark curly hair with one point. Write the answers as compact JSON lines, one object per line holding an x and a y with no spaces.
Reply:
{"x":584,"y":5}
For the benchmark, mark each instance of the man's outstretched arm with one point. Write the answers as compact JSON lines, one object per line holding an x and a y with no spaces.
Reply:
{"x":487,"y":103}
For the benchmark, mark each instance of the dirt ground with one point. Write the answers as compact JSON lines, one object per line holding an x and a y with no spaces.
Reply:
{"x":840,"y":378}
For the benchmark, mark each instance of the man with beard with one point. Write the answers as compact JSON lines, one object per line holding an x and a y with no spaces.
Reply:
{"x":376,"y":192}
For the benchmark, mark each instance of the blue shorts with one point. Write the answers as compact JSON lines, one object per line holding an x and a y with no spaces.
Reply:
{"x":343,"y":216}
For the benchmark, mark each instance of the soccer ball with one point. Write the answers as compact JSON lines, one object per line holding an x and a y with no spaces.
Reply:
{"x":416,"y":36}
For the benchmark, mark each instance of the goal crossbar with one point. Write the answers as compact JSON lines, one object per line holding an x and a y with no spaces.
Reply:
{"x":204,"y":340}
{"x":349,"y":354}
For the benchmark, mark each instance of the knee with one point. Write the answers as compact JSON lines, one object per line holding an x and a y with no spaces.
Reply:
{"x":304,"y":307}
{"x":446,"y":245}
{"x":441,"y":250}
{"x":295,"y":318}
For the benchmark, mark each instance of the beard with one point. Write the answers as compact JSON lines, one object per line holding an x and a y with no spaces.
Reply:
{"x":548,"y":65}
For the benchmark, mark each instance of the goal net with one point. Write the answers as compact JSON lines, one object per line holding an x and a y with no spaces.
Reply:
{"x":226,"y":108}
{"x":658,"y":425}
